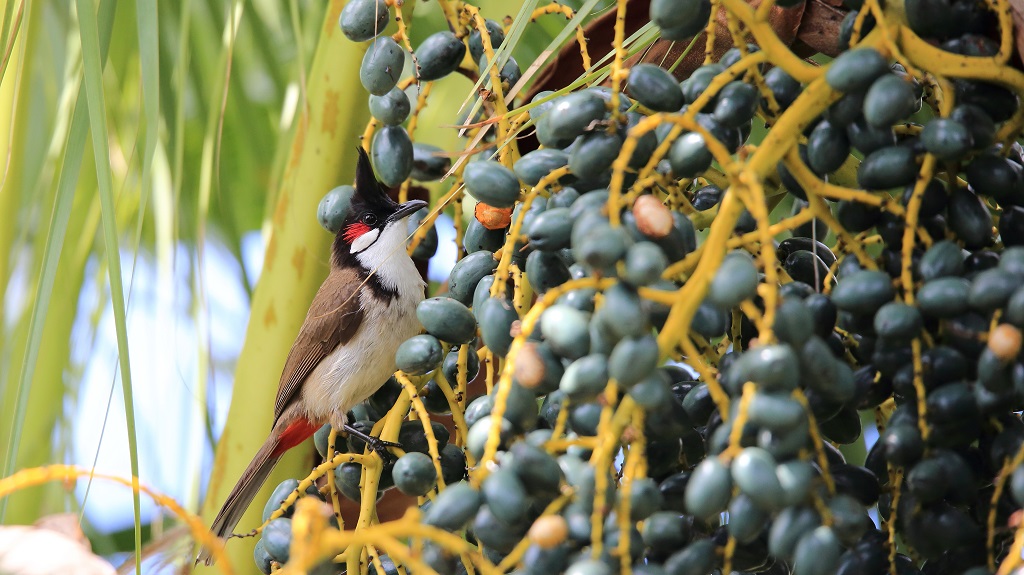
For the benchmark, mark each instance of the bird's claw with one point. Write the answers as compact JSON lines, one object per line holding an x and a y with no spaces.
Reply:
{"x":376,"y":444}
{"x":380,"y":447}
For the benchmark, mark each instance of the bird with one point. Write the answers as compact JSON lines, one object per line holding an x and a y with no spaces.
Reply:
{"x":345,"y":349}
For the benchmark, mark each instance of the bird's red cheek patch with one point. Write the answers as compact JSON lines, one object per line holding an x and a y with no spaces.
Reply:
{"x":355,"y":230}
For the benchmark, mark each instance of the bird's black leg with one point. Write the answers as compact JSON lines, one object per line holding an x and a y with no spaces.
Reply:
{"x":374,"y":443}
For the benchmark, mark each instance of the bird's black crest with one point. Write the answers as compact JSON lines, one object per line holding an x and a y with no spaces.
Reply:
{"x":368,"y":189}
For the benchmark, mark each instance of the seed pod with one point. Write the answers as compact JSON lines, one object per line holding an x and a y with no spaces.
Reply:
{"x":644,"y":264}
{"x":944,"y":258}
{"x":665,"y":531}
{"x":746,"y":520}
{"x":652,"y":394}
{"x":888,"y":167}
{"x":709,"y":489}
{"x":784,"y":87}
{"x":737,"y":103}
{"x":492,"y":183}
{"x":439,"y":55}
{"x":585,"y":378}
{"x":536,"y":469}
{"x":453,"y":507}
{"x":710,"y":320}
{"x":897,"y":321}
{"x":948,"y":139}
{"x":262,"y":558}
{"x":551,"y":230}
{"x":735,"y":281}
{"x":478,"y":238}
{"x":573,"y":113}
{"x":593,"y":153}
{"x":827,"y":147}
{"x":598,"y":246}
{"x":633,"y":359}
{"x":566,"y":330}
{"x":532,"y":167}
{"x":496,"y":316}
{"x":509,"y":75}
{"x":428,"y":245}
{"x":845,"y":109}
{"x":277,"y":539}
{"x":494,"y":31}
{"x":774,"y":367}
{"x":335,"y":207}
{"x":699,"y":81}
{"x":414,"y":439}
{"x":447,"y":319}
{"x":391,"y":152}
{"x":788,"y":528}
{"x":991,"y":289}
{"x":414,"y":474}
{"x":902,"y":444}
{"x":794,"y":322}
{"x":806,"y":267}
{"x":476,"y":439}
{"x":505,"y":496}
{"x":467,"y":273}
{"x":362,"y":20}
{"x":281,"y":492}
{"x":977,"y":122}
{"x":889,"y":100}
{"x":695,"y":22}
{"x":856,"y":69}
{"x":418,"y":355}
{"x":392,"y":108}
{"x":382,"y":66}
{"x":863,"y":292}
{"x":944,"y":297}
{"x":622,"y":313}
{"x":969,"y":219}
{"x":655,"y":88}
{"x":689,"y":155}
{"x":753,"y":471}
{"x":696,"y":558}
{"x":817,"y":553}
{"x":868,"y":139}
{"x":996,"y":177}
{"x":775,"y":412}
{"x":796,"y":478}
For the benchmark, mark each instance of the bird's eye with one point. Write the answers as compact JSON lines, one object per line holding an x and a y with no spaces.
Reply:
{"x":370,"y":220}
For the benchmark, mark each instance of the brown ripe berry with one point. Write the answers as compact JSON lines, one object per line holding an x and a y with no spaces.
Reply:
{"x":493,"y":218}
{"x":529,"y":368}
{"x":653,"y":219}
{"x":549,"y":531}
{"x":1004,"y":341}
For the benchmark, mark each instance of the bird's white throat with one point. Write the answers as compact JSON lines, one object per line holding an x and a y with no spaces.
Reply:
{"x":383,"y":254}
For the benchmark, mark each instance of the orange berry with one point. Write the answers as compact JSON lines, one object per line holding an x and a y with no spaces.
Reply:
{"x":653,"y":219}
{"x":1004,"y":341}
{"x":549,"y":531}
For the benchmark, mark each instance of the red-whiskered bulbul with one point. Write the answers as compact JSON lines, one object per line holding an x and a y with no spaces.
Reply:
{"x":346,"y":347}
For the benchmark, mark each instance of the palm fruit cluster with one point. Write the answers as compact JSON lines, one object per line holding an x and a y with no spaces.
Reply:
{"x":696,"y":301}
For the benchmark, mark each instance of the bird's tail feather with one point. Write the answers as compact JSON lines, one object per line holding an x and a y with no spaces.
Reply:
{"x":254,"y":476}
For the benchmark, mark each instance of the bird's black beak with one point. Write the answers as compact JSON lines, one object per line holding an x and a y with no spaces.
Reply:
{"x":406,"y":209}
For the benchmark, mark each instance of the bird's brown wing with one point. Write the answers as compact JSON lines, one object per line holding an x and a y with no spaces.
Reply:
{"x":333,"y":318}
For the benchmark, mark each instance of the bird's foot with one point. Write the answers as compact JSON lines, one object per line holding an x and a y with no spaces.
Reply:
{"x":375,"y":444}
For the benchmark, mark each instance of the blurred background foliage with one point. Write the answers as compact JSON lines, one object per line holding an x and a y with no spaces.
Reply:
{"x":162,"y":152}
